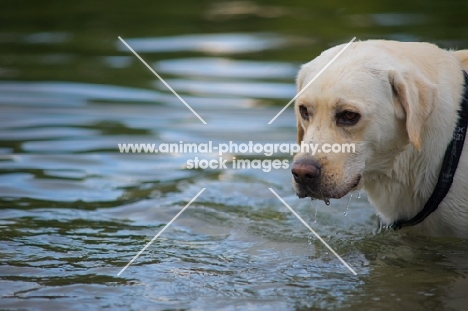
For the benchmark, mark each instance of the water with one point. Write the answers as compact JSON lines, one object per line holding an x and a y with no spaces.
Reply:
{"x":350,"y":197}
{"x":74,"y":211}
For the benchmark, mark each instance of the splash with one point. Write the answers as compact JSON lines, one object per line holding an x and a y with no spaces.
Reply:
{"x":347,"y":204}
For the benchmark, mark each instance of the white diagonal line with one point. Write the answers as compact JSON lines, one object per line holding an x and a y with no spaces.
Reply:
{"x":310,"y":82}
{"x":159,"y":233}
{"x":162,"y":80}
{"x":315,"y":233}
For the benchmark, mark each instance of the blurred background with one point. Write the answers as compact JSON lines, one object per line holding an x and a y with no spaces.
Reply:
{"x":74,"y":211}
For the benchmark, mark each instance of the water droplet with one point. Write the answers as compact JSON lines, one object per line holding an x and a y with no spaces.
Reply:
{"x":347,"y":204}
{"x":327,"y":201}
{"x":359,"y":194}
{"x":315,"y":220}
{"x":380,"y":225}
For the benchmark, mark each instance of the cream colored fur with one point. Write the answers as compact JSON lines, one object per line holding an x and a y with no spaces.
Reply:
{"x":407,"y":95}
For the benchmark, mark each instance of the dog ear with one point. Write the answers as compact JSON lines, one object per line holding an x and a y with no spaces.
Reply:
{"x":415,"y":101}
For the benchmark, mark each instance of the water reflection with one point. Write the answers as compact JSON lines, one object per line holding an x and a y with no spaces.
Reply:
{"x":227,"y":68}
{"x":74,"y":211}
{"x":389,"y":19}
{"x":47,"y":37}
{"x":209,"y":43}
{"x":65,"y":94}
{"x":239,"y":89}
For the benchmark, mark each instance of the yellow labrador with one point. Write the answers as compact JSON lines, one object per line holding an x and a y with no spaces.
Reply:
{"x":401,"y":105}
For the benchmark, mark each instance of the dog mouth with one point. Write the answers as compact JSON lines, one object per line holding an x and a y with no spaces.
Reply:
{"x":316,"y":192}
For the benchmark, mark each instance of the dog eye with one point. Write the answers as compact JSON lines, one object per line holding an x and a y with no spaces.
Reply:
{"x":347,"y":118}
{"x":304,"y":113}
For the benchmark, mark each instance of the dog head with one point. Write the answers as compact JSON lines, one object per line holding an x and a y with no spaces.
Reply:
{"x":360,"y":113}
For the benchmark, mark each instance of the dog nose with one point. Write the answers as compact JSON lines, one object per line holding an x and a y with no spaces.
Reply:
{"x":305,"y":171}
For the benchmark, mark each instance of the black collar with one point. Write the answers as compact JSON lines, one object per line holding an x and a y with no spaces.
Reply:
{"x":449,"y":166}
